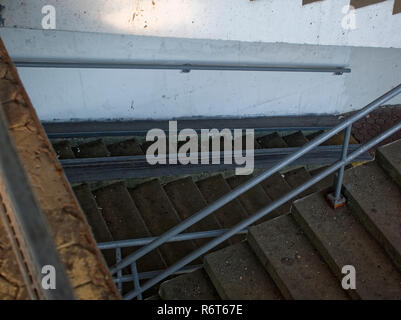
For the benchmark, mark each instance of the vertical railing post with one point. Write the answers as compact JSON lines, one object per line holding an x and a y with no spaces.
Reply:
{"x":137,"y":285}
{"x":119,"y":273}
{"x":336,"y":198}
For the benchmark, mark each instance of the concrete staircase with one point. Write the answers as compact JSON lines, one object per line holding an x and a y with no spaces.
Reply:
{"x":300,"y":255}
{"x":116,"y":212}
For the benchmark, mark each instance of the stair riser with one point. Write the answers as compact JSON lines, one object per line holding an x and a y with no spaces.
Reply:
{"x":371,"y":227}
{"x":269,"y":268}
{"x":388,"y":167}
{"x":319,"y":246}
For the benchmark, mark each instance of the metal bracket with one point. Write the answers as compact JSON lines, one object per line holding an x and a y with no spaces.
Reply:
{"x":336,"y":202}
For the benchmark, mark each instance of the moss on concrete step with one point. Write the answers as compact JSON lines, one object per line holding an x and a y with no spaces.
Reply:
{"x":292,"y":262}
{"x":342,"y":240}
{"x":191,"y":286}
{"x":213,"y":188}
{"x":254,"y":199}
{"x":63,"y":150}
{"x":272,"y":140}
{"x":92,"y":149}
{"x":276,"y":187}
{"x":376,"y":200}
{"x":125,"y":222}
{"x":188,"y":200}
{"x":125,"y":148}
{"x":389,"y":158}
{"x":237,"y":274}
{"x":160,"y":216}
{"x":296,"y":139}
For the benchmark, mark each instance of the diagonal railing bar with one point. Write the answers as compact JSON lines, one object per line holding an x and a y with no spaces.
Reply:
{"x":181,"y":237}
{"x":263,"y":212}
{"x":254,"y":181}
{"x":151,"y":274}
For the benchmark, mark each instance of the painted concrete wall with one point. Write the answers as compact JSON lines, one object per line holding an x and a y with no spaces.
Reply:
{"x":142,"y":94}
{"x":243,"y":20}
{"x":276,"y":32}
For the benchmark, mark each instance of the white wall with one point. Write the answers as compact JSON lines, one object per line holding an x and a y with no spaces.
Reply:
{"x":141,"y":94}
{"x":243,"y":20}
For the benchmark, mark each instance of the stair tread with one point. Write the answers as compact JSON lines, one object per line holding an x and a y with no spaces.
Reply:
{"x":188,"y":200}
{"x":125,"y":148}
{"x":95,"y":219}
{"x":256,"y":144}
{"x":292,"y":262}
{"x":276,"y":187}
{"x":389,"y":158}
{"x":296,"y":139}
{"x":160,"y":216}
{"x":314,"y":135}
{"x":325,"y":183}
{"x":273,"y":140}
{"x":213,"y":188}
{"x":342,"y":240}
{"x":237,"y":274}
{"x":338,"y":139}
{"x":125,"y":222}
{"x":63,"y":150}
{"x":377,"y":202}
{"x":191,"y":286}
{"x":92,"y":213}
{"x":92,"y":149}
{"x":254,"y":199}
{"x":297,"y":177}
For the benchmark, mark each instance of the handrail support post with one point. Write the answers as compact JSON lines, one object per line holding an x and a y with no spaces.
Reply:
{"x":336,"y":199}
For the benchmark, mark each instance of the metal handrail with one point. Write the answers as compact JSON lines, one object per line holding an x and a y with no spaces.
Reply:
{"x":184,"y":67}
{"x":345,"y":159}
{"x":254,"y":181}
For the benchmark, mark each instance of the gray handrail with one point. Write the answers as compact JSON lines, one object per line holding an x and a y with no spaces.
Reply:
{"x":253,"y":182}
{"x":184,"y":67}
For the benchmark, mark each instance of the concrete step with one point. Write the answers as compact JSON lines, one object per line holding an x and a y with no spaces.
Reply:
{"x":63,"y":150}
{"x":244,"y":145}
{"x":314,"y":135}
{"x":95,"y":219}
{"x":254,"y":199}
{"x":376,"y":200}
{"x":297,"y":177}
{"x":160,"y":216}
{"x":389,"y":159}
{"x":188,"y":200}
{"x":327,"y":182}
{"x":92,"y":149}
{"x":125,"y":222}
{"x":342,"y":240}
{"x":296,"y":139}
{"x":125,"y":148}
{"x":191,"y":286}
{"x":292,"y":262}
{"x":237,"y":274}
{"x":213,"y":188}
{"x":338,"y":139}
{"x":275,"y":186}
{"x":272,"y":140}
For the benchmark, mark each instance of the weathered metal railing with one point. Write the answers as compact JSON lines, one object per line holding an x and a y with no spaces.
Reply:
{"x":174,"y":234}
